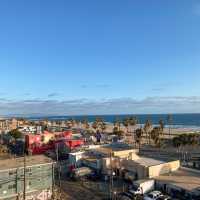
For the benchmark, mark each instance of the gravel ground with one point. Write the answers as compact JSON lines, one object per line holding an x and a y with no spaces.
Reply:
{"x":75,"y":190}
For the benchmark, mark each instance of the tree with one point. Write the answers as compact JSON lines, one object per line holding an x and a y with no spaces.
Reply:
{"x":126,"y":123}
{"x":161,"y":123}
{"x":186,"y":139}
{"x":155,"y":135}
{"x":169,"y":121}
{"x":16,"y":134}
{"x":69,"y":124}
{"x":138,"y":136}
{"x":85,"y":123}
{"x":133,"y":121}
{"x":147,"y":129}
{"x":117,"y":123}
{"x":118,"y":132}
{"x":95,"y":125}
{"x":176,"y":142}
{"x":115,"y":130}
{"x":99,"y":124}
{"x":103,"y":126}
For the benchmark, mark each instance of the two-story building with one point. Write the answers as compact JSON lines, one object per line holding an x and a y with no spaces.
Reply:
{"x":38,"y":178}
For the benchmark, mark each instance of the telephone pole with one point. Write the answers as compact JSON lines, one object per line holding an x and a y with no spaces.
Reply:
{"x":24,"y":192}
{"x":111,"y":177}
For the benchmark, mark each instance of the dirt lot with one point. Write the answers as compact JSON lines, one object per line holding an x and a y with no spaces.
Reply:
{"x":75,"y":190}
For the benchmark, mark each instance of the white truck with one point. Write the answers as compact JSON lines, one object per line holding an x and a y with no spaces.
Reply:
{"x":142,"y":186}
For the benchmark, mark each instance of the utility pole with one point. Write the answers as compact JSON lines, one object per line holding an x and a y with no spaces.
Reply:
{"x":58,"y":165}
{"x":59,"y":170}
{"x":111,"y":177}
{"x":24,"y":192}
{"x":53,"y":188}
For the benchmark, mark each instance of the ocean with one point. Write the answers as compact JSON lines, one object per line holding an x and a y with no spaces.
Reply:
{"x":178,"y":120}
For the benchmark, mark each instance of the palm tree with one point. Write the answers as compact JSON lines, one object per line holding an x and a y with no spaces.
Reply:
{"x":95,"y":126}
{"x":147,"y":128}
{"x":117,"y":123}
{"x":161,"y":123}
{"x":138,"y":136}
{"x":69,"y":124}
{"x":118,"y":132}
{"x":126,"y":123}
{"x":133,"y":121}
{"x":169,"y":121}
{"x":73,"y":121}
{"x":85,"y":123}
{"x":103,"y":126}
{"x":77,"y":123}
{"x":155,"y":135}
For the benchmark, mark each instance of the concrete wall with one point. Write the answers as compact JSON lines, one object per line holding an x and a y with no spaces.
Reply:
{"x":126,"y":154}
{"x":163,"y":168}
{"x":130,"y":165}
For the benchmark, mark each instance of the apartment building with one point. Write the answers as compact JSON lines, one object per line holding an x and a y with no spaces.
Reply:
{"x":38,"y":178}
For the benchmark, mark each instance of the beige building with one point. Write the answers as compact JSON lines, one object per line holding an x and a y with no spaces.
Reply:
{"x":149,"y":168}
{"x":124,"y":158}
{"x":119,"y":150}
{"x":9,"y":124}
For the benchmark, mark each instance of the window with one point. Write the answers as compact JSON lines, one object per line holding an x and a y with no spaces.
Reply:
{"x":11,"y":173}
{"x":28,"y":169}
{"x":13,"y":186}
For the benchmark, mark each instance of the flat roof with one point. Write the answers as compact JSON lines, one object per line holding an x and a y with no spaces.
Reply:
{"x":148,"y":161}
{"x":13,"y":163}
{"x":185,"y":178}
{"x":119,"y":146}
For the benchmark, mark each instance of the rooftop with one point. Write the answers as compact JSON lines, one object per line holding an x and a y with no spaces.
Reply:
{"x":119,"y":146}
{"x":148,"y":162}
{"x":184,"y":178}
{"x":13,"y":163}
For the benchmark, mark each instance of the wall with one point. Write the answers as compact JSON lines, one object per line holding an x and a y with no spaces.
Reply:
{"x":163,"y":168}
{"x":38,"y":178}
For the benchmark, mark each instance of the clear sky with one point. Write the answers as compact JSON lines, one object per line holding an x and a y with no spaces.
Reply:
{"x":99,"y":56}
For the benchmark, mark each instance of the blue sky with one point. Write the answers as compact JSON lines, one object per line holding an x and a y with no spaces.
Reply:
{"x":99,"y":57}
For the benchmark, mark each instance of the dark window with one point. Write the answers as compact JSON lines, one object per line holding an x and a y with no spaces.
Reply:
{"x":28,"y":169}
{"x":12,"y":186}
{"x":12,"y":173}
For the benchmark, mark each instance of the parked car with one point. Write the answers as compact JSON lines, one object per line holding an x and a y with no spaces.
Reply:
{"x":164,"y":197}
{"x":125,"y":196}
{"x":153,"y":195}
